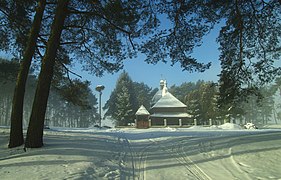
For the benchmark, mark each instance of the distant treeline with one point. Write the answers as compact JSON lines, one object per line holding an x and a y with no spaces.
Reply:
{"x":62,"y":109}
{"x":203,"y":99}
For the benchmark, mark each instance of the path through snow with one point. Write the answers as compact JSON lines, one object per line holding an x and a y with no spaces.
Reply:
{"x":194,"y":153}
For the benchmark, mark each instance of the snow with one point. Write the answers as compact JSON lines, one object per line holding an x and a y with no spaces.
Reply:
{"x":217,"y":152}
{"x":230,"y":126}
{"x":168,"y":100}
{"x":142,"y":111}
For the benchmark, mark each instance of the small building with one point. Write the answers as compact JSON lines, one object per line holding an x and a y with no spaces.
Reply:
{"x":166,"y":109}
{"x":142,"y":118}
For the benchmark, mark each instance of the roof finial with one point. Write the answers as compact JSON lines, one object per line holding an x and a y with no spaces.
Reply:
{"x":165,"y":89}
{"x":162,"y":84}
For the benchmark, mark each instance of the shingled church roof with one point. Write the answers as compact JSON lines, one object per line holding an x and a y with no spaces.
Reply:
{"x":165,"y":105}
{"x":163,"y":98}
{"x":168,"y":100}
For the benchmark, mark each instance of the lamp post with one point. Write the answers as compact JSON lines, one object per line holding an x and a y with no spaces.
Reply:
{"x":99,"y":88}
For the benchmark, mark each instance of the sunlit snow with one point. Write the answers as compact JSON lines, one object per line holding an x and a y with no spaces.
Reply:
{"x":217,"y":152}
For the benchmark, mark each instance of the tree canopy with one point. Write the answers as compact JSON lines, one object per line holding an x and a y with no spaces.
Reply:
{"x":250,"y":47}
{"x":126,"y":98}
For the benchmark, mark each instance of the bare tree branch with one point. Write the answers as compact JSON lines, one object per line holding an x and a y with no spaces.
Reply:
{"x":108,"y":21}
{"x":66,"y":43}
{"x":69,"y":71}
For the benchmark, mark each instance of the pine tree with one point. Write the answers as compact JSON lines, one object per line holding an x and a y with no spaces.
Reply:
{"x":123,"y":101}
{"x":249,"y":46}
{"x":194,"y":106}
{"x":207,"y":91}
{"x":16,"y":134}
{"x":34,"y":137}
{"x":143,"y":94}
{"x":124,"y":112}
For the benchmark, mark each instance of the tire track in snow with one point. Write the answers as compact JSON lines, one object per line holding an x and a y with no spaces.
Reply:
{"x":185,"y":160}
{"x":126,"y":158}
{"x":132,"y":161}
{"x":141,"y":163}
{"x":190,"y":165}
{"x":223,"y":149}
{"x":235,"y":164}
{"x":177,"y":148}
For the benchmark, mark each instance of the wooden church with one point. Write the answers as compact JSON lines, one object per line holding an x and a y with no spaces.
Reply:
{"x":166,"y":109}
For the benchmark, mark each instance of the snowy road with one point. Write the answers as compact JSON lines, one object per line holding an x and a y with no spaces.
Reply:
{"x":199,"y":155}
{"x":153,"y":154}
{"x":155,"y":159}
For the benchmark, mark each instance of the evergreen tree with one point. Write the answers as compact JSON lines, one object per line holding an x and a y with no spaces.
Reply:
{"x":34,"y":137}
{"x":193,"y":106}
{"x":260,"y":110}
{"x":144,"y":94}
{"x":124,"y":113}
{"x":249,"y":46}
{"x":188,"y":22}
{"x":181,"y":91}
{"x":123,"y":102}
{"x":200,"y":98}
{"x":207,"y":94}
{"x":8,"y":71}
{"x":15,"y":20}
{"x":97,"y":32}
{"x":16,"y":135}
{"x":126,"y":98}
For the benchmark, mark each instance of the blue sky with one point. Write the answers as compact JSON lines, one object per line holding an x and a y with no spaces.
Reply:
{"x":150,"y":74}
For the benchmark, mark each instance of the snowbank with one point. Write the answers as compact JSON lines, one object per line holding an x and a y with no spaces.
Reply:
{"x":230,"y":126}
{"x":226,"y":126}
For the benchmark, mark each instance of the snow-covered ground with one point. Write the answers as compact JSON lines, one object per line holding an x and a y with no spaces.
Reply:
{"x":224,"y":152}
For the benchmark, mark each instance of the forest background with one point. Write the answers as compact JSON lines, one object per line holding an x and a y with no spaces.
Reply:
{"x":127,"y":96}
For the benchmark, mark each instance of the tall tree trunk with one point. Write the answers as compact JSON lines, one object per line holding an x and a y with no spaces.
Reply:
{"x":16,"y":134}
{"x":34,"y":137}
